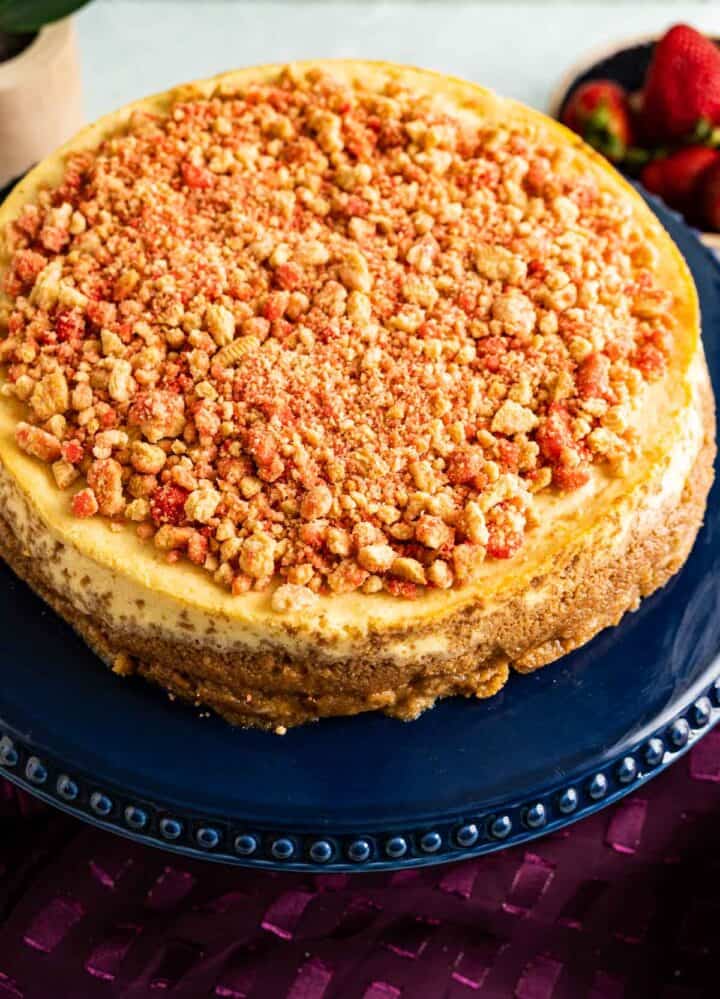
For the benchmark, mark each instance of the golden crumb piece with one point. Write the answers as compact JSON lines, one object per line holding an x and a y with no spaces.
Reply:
{"x":123,"y":664}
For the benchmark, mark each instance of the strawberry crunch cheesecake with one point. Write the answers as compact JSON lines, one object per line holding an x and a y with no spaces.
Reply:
{"x":341,"y":387}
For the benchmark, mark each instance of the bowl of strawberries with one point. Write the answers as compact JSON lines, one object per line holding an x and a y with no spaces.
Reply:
{"x":652,"y":107}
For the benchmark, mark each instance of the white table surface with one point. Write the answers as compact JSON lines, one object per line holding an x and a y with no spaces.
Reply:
{"x":135,"y":47}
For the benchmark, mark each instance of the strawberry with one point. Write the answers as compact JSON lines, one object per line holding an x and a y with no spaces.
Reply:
{"x":682,"y":85}
{"x":710,"y":197}
{"x":599,"y":111}
{"x":677,"y":177}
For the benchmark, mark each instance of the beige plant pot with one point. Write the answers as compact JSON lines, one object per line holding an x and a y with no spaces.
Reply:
{"x":40,"y":99}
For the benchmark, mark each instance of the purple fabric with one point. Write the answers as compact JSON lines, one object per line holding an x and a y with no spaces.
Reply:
{"x":624,"y":904}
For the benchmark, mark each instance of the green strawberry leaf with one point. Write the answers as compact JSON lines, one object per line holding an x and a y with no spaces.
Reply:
{"x":600,"y":117}
{"x":702,"y":131}
{"x":20,"y":16}
{"x":636,"y":158}
{"x":599,"y":134}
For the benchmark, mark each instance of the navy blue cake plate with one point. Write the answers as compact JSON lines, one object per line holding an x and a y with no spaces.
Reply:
{"x":370,"y":793}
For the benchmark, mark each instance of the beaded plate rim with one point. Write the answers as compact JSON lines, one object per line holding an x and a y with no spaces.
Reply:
{"x":555,"y":807}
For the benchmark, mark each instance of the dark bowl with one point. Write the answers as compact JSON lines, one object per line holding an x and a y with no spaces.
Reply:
{"x":626,"y":65}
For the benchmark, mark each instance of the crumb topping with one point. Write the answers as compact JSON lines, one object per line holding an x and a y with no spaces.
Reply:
{"x":319,"y":338}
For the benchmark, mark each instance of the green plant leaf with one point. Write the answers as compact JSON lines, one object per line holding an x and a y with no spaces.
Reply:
{"x":20,"y":16}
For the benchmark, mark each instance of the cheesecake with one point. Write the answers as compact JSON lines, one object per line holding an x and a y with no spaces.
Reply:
{"x":342,"y":386}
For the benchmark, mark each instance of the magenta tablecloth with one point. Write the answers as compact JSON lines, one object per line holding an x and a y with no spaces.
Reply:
{"x":624,"y":904}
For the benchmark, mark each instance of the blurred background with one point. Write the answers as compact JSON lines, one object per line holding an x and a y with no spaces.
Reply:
{"x":133,"y":47}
